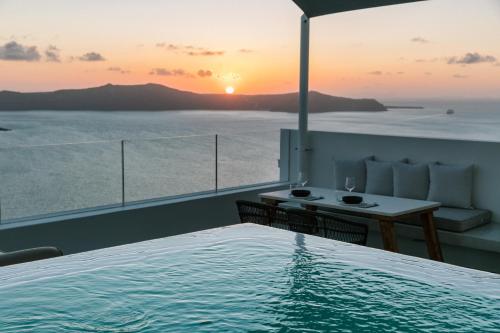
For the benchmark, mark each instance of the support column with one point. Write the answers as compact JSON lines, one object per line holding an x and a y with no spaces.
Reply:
{"x":303,"y":98}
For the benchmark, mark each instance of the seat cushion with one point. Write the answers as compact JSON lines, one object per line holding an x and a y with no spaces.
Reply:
{"x":350,"y":168}
{"x":451,"y":185}
{"x":411,"y":180}
{"x":379,"y":178}
{"x":457,"y":219}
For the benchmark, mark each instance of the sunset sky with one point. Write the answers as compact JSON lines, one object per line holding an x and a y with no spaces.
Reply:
{"x":438,"y":48}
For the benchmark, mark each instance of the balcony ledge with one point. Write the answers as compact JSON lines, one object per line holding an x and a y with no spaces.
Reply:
{"x":86,"y":213}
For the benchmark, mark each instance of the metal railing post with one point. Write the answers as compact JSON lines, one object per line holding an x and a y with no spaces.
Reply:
{"x":289,"y":155}
{"x":216,"y":163}
{"x":123,"y":172}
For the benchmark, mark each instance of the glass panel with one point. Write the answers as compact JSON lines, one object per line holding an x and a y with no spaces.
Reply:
{"x":249,"y":158}
{"x":51,"y":179}
{"x":169,"y":167}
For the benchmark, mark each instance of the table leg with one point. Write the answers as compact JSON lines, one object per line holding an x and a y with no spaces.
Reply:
{"x":388,"y":235}
{"x":431,"y":237}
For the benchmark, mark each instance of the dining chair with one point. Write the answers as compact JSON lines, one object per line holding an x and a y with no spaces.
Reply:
{"x":330,"y":226}
{"x":263,"y":214}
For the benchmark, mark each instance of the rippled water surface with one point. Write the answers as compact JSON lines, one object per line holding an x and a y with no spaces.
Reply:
{"x":246,"y":279}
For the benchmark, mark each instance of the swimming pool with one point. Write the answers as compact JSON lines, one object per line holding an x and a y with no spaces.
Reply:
{"x":246,"y":278}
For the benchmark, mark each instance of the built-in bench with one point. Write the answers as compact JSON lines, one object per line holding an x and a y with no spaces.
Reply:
{"x":450,"y":185}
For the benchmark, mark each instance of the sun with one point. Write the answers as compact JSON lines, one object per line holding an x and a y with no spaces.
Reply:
{"x":229,"y":90}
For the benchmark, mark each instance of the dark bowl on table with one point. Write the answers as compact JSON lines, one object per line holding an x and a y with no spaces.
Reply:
{"x":301,"y":193}
{"x":352,"y":199}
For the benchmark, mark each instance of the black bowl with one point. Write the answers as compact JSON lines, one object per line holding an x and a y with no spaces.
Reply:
{"x":301,"y":193}
{"x":352,"y":199}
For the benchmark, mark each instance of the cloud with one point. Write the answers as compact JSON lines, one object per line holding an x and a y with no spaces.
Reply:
{"x":168,"y":72}
{"x":204,"y":73}
{"x":92,"y":56}
{"x":428,"y":73}
{"x":12,"y":51}
{"x":471,"y":58}
{"x":206,"y":53}
{"x":169,"y":47}
{"x":52,"y":54}
{"x":460,"y":76}
{"x":420,"y":40}
{"x":173,"y":47}
{"x":422,"y":60}
{"x":190,"y":50}
{"x":246,"y":51}
{"x":376,"y":73}
{"x":229,"y":77}
{"x":400,"y":73}
{"x":118,"y":70}
{"x":192,"y":47}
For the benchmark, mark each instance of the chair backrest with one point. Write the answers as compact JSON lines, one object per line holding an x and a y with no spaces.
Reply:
{"x":263,"y":214}
{"x":331,"y":226}
{"x":303,"y":221}
{"x":338,"y":228}
{"x":253,"y":212}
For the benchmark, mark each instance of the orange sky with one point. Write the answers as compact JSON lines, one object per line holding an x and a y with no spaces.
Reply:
{"x":438,"y":48}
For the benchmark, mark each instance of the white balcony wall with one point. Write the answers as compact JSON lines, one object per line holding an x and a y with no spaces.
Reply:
{"x":327,"y":146}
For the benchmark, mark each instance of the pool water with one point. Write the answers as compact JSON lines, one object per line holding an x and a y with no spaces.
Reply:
{"x":246,"y":278}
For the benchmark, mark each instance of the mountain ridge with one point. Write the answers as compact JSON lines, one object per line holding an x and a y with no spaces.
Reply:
{"x":156,"y":97}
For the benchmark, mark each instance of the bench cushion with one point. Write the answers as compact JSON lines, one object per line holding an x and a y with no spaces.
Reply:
{"x":451,"y":185}
{"x":457,"y":219}
{"x":379,"y":178}
{"x":411,"y":180}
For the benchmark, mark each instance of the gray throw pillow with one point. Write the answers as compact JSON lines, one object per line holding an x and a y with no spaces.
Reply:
{"x":350,"y":168}
{"x":451,"y":185}
{"x":411,"y":181}
{"x":379,"y":178}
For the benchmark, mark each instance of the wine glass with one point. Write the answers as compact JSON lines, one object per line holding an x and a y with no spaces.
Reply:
{"x":350,"y":183}
{"x":301,"y":181}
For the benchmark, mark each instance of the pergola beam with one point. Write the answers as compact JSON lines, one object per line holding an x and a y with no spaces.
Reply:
{"x":313,"y":8}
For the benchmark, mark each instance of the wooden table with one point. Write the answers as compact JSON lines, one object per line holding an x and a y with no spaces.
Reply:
{"x":388,"y":211}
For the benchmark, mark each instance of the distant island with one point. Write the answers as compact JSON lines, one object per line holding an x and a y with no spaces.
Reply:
{"x":155,"y":97}
{"x":410,"y":107}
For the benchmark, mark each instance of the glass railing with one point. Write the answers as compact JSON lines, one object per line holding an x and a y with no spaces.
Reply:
{"x":247,"y":159}
{"x":44,"y":180}
{"x":168,"y":167}
{"x":51,"y":180}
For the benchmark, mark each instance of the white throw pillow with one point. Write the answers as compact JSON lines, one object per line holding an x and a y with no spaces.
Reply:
{"x":451,"y":185}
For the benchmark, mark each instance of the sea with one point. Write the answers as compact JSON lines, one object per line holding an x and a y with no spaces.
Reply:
{"x":54,"y":162}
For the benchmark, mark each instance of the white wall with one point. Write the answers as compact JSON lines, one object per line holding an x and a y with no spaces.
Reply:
{"x":325,"y":146}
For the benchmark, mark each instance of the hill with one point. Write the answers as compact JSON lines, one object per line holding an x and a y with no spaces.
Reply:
{"x":155,"y":97}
